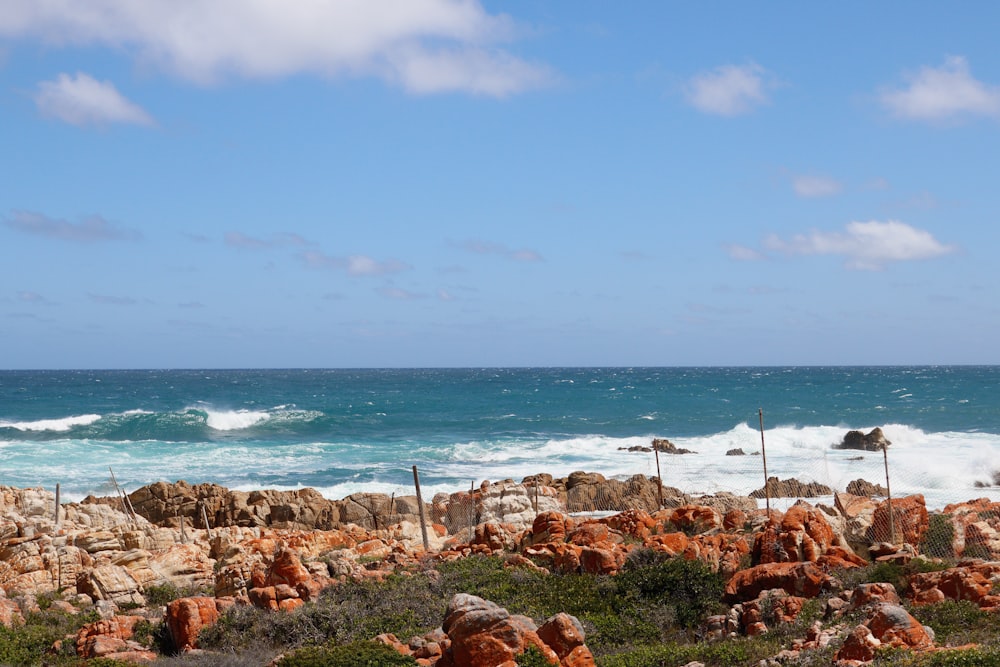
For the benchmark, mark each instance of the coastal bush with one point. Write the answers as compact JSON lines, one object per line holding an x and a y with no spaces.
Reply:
{"x":972,"y":657}
{"x":30,"y":643}
{"x":958,"y":622}
{"x":355,"y":654}
{"x":689,"y":586}
{"x":939,"y":540}
{"x":729,"y":653}
{"x":532,"y":657}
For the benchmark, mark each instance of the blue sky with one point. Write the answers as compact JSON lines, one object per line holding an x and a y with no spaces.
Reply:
{"x":325,"y":183}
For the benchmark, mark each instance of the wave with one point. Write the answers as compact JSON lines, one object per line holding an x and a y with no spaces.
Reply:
{"x":193,"y":423}
{"x":59,"y":425}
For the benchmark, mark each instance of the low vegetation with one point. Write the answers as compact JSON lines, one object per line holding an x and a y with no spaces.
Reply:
{"x":649,"y":615}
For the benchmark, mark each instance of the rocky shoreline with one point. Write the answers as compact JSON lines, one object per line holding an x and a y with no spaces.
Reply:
{"x":278,"y":550}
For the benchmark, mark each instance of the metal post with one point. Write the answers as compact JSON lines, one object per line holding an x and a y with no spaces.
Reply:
{"x":888,"y":493}
{"x":423,"y":514}
{"x":57,"y":505}
{"x":659,"y":477}
{"x":763,"y":455}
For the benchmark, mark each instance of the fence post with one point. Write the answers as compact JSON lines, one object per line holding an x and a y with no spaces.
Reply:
{"x":763,"y":456}
{"x":888,"y":493}
{"x":423,"y":513}
{"x":659,"y":477}
{"x":57,"y":506}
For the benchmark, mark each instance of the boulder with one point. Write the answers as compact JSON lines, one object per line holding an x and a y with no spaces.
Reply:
{"x":667,"y":447}
{"x":908,"y":524}
{"x":860,"y":487}
{"x":186,"y":617}
{"x":483,"y":634}
{"x":801,"y":579}
{"x":791,"y":488}
{"x":873,"y":441}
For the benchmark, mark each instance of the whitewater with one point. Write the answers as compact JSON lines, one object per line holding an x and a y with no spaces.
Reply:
{"x":345,"y":431}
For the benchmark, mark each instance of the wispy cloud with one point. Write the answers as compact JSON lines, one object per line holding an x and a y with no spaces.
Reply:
{"x":399,"y":294}
{"x":355,"y":265}
{"x":91,"y":229}
{"x":811,"y":186}
{"x":730,"y":90}
{"x":865,"y":245}
{"x":424,"y":46}
{"x":480,"y":247}
{"x":282,"y":240}
{"x":939,"y":93}
{"x":112,"y":300}
{"x":743,"y":253}
{"x":82,"y":100}
{"x":33,"y":297}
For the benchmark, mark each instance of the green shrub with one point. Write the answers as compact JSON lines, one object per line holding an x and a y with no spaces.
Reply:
{"x":939,"y":540}
{"x":959,"y":622}
{"x":689,"y":586}
{"x":28,"y":643}
{"x":355,"y":654}
{"x":532,"y":657}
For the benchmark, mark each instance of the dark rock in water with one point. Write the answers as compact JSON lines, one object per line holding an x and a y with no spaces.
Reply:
{"x":873,"y":441}
{"x":736,"y":452}
{"x":986,"y":485}
{"x":635,"y":448}
{"x":792,"y":488}
{"x":667,"y":447}
{"x":860,"y":487}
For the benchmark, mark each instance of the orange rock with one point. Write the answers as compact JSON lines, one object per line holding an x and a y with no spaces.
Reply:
{"x":634,"y":523}
{"x":803,"y":579}
{"x":696,"y":519}
{"x":186,"y":617}
{"x":589,"y":533}
{"x":551,"y":527}
{"x":483,"y":634}
{"x":909,"y":520}
{"x":894,"y":626}
{"x":105,"y":637}
{"x":601,"y":559}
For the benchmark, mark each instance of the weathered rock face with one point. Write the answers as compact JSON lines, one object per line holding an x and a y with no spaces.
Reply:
{"x":801,"y":579}
{"x":187,"y":616}
{"x":503,"y":502}
{"x":889,"y":626}
{"x":860,"y":487}
{"x":873,"y":441}
{"x":908,"y":523}
{"x":667,"y":447}
{"x":483,"y":634}
{"x":972,"y":582}
{"x":791,"y":488}
{"x":591,"y":492}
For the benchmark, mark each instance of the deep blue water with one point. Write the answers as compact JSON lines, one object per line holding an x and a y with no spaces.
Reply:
{"x":343,"y":430}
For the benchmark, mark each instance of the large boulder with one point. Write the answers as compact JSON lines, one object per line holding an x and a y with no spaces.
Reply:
{"x":873,"y":441}
{"x":791,"y":488}
{"x":484,"y":634}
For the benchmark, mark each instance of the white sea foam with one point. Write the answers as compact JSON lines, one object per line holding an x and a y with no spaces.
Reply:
{"x":234,"y":420}
{"x":63,"y":424}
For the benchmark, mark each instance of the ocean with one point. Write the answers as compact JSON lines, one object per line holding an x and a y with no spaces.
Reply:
{"x":345,"y":431}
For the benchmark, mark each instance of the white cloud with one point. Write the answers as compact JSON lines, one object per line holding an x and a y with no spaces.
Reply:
{"x":93,"y":228}
{"x":743,"y":253}
{"x":729,"y":90}
{"x":481,"y":247}
{"x":937,"y":93}
{"x":241,"y":240}
{"x":865,"y":245}
{"x":82,"y":100}
{"x":815,"y":186}
{"x":425,"y":46}
{"x":355,"y":265}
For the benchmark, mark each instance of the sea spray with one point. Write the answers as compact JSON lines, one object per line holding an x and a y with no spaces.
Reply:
{"x":353,"y":430}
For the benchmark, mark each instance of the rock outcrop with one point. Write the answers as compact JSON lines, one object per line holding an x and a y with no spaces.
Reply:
{"x":873,"y":441}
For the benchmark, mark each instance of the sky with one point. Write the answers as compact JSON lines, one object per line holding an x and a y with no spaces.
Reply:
{"x":454,"y":183}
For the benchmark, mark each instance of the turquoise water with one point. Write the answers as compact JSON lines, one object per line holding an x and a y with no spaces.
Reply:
{"x":347,"y":430}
